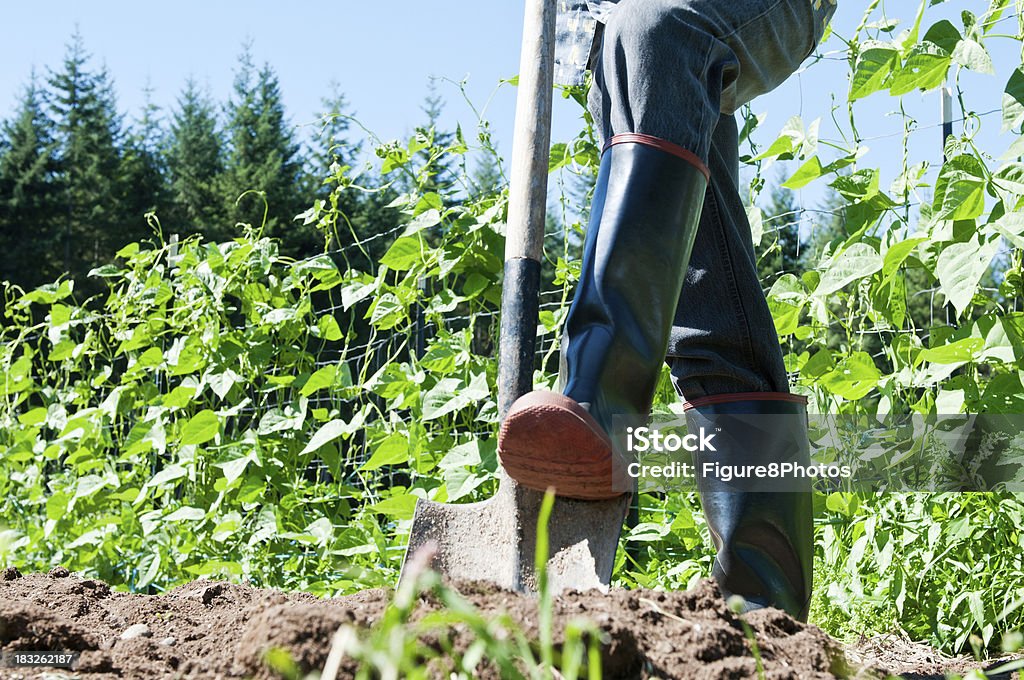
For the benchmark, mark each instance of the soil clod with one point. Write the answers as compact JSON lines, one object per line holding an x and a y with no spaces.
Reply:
{"x":137,"y":630}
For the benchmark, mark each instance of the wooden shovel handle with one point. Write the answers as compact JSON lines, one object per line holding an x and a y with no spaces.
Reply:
{"x":527,"y":203}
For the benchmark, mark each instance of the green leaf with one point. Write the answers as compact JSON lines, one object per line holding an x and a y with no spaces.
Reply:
{"x":1011,"y":225}
{"x":149,"y":566}
{"x":818,"y":365}
{"x":321,"y":379}
{"x":233,"y":469}
{"x":861,"y":185}
{"x":186,"y":514}
{"x":782,"y":146}
{"x":559,"y":157}
{"x":392,"y":451}
{"x":1013,"y":100}
{"x":450,"y":395}
{"x":356,"y":291}
{"x":221,"y":383}
{"x":960,"y":267}
{"x":925,"y":69}
{"x":403,"y":253}
{"x":88,"y":485}
{"x":422,"y":221}
{"x":201,"y":428}
{"x":399,"y":507}
{"x":807,"y":173}
{"x":463,"y":455}
{"x":327,"y":433}
{"x":322,"y":529}
{"x":960,"y":189}
{"x":853,"y":378}
{"x":873,"y":70}
{"x":944,"y":34}
{"x":179,"y":397}
{"x":791,"y":138}
{"x":958,"y":352}
{"x":387,"y":311}
{"x":649,"y":531}
{"x":786,"y":301}
{"x":898,"y":253}
{"x":971,"y":54}
{"x":329,"y":329}
{"x":107,"y":271}
{"x":428,"y":201}
{"x":461,"y":482}
{"x":858,"y":261}
{"x":756,"y":219}
{"x":1010,"y":178}
{"x":167,"y":474}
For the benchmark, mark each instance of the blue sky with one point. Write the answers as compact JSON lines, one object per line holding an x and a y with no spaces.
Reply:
{"x":383,"y":54}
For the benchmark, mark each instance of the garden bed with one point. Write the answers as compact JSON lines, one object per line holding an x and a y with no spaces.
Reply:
{"x":209,"y":629}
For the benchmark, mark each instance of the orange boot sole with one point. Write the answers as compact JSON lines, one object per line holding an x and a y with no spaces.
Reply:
{"x":549,"y":440}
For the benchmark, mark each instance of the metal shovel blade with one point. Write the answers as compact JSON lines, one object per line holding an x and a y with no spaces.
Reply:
{"x":495,"y":540}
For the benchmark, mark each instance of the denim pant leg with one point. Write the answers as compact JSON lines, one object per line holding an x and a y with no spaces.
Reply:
{"x":723,"y":336}
{"x":669,"y":68}
{"x":678,"y":70}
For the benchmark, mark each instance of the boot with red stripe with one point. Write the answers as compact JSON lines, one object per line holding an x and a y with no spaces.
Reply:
{"x":645,"y":213}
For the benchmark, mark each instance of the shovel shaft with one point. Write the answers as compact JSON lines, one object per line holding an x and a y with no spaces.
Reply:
{"x":527,"y":203}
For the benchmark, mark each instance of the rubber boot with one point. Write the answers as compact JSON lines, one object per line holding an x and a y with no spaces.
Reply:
{"x":762,"y":528}
{"x":645,"y":212}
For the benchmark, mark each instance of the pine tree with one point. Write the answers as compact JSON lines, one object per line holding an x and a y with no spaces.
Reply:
{"x":144,"y":169}
{"x":363,"y":214}
{"x":89,"y":134}
{"x":780,"y":244}
{"x":264,"y":157}
{"x":29,"y":194}
{"x":194,"y":165}
{"x":439,"y":175}
{"x":331,"y":143}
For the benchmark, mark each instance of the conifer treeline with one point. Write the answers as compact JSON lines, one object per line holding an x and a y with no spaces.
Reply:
{"x":77,"y":177}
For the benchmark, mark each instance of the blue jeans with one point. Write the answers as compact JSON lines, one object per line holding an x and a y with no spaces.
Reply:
{"x":678,"y":70}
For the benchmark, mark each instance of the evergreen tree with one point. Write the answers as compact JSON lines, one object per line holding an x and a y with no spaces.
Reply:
{"x":89,"y":134}
{"x":440,"y":174}
{"x":364,"y":214}
{"x":264,"y":157}
{"x":780,"y":244}
{"x":331,"y":143}
{"x":194,"y":165}
{"x":29,"y":194}
{"x":144,"y":169}
{"x":487,"y":177}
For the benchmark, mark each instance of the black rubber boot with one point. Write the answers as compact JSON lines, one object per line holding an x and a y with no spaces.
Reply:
{"x":645,"y":213}
{"x":762,"y":528}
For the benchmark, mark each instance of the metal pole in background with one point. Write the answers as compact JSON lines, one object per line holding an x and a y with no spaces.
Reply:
{"x":947,"y":118}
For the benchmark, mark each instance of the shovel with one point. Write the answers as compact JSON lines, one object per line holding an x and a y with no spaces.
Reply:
{"x":494,"y":540}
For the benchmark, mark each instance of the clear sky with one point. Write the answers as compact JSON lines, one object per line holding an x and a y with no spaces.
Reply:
{"x":382,"y":55}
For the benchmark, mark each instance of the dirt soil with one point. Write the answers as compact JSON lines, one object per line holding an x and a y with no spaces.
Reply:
{"x":210,"y":629}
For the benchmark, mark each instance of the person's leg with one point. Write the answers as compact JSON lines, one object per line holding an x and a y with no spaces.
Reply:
{"x":665,"y":71}
{"x":669,"y":68}
{"x":723,"y":339}
{"x":723,"y":350}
